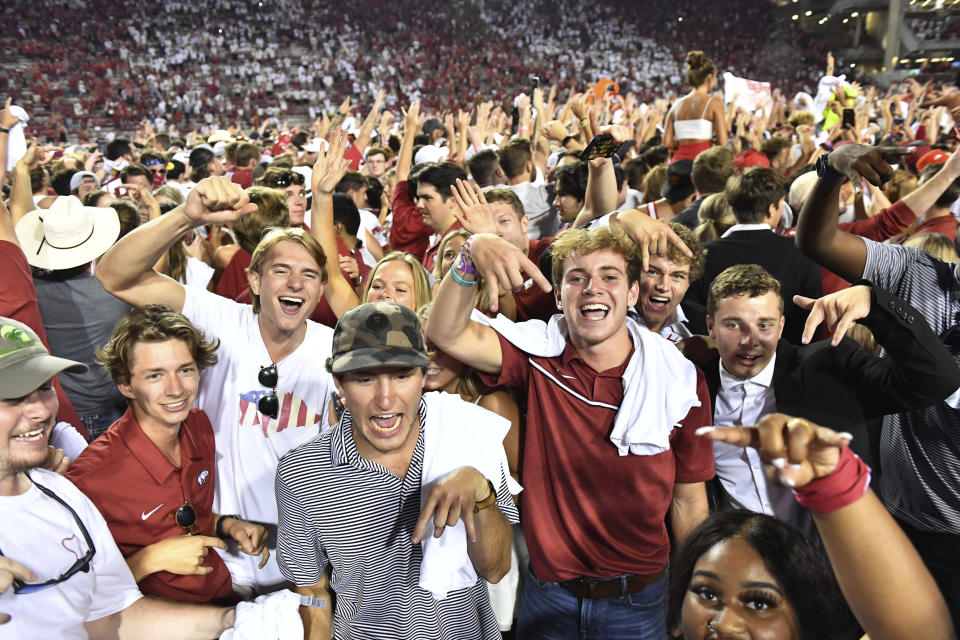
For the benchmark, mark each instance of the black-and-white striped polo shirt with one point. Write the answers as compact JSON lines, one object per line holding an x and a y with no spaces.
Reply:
{"x":920,"y":468}
{"x":339,"y":509}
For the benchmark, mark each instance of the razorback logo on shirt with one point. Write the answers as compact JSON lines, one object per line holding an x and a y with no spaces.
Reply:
{"x":294,"y":413}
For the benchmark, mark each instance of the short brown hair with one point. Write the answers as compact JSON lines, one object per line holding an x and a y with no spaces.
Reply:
{"x":374,"y":150}
{"x":774,"y":146}
{"x":153,"y":323}
{"x":271,"y":212}
{"x":507,"y":196}
{"x":586,"y":241}
{"x":514,"y":156}
{"x":246,"y":152}
{"x":751,"y":194}
{"x":711,"y":170}
{"x":742,"y":279}
{"x":674,"y":254}
{"x":275,"y":236}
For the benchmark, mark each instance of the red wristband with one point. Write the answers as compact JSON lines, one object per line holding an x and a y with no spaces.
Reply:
{"x":847,"y":484}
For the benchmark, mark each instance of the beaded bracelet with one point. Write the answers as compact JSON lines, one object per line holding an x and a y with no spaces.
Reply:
{"x":459,"y":280}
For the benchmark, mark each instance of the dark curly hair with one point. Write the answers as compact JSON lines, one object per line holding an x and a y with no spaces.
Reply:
{"x":807,"y":580}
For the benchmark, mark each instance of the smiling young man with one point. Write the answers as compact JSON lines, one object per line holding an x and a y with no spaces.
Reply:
{"x":356,"y":503}
{"x":838,"y":384}
{"x":152,"y":474}
{"x":663,"y":286}
{"x":265,"y":395}
{"x":600,"y":413}
{"x":61,"y":574}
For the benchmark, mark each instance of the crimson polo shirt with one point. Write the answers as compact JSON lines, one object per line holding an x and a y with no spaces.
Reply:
{"x":533,"y":303}
{"x":430,"y":257}
{"x":588,"y":511}
{"x":136,"y":489}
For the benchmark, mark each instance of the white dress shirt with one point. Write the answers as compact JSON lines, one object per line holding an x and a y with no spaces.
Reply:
{"x":740,"y":470}
{"x":673,"y":329}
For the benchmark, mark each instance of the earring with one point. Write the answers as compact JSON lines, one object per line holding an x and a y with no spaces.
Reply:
{"x":710,"y":626}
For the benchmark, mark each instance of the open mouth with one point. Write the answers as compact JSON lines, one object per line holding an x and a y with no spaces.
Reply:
{"x":386,"y":424}
{"x":175,"y":406}
{"x":290,"y":304}
{"x":433,"y":371}
{"x":658,"y":303}
{"x":29,"y":436}
{"x":594,"y":311}
{"x":747,"y":360}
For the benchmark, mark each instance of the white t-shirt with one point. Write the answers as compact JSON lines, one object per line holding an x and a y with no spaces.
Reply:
{"x":370,"y":222}
{"x":544,"y":220}
{"x":250,"y":444}
{"x":40,"y":534}
{"x":198,"y":273}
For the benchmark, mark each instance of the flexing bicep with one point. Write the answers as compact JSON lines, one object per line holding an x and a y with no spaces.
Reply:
{"x":150,"y":288}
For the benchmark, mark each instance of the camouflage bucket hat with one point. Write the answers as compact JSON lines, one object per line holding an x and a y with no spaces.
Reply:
{"x":378,"y":334}
{"x":25,"y":363}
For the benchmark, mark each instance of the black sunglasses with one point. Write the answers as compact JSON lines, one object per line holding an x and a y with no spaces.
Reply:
{"x":285,"y":179}
{"x":186,"y":518}
{"x":82,"y":564}
{"x":269,"y":405}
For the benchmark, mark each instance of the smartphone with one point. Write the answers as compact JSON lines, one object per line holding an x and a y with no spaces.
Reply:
{"x":102,"y":146}
{"x":849,"y":118}
{"x":602,"y":146}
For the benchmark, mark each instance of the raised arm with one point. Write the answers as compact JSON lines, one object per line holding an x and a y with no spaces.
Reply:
{"x":366,"y":129}
{"x":127,"y":269}
{"x":882,"y":576}
{"x":329,"y":168}
{"x":817,"y":234}
{"x":449,"y":325}
{"x":918,"y":370}
{"x":411,"y":127}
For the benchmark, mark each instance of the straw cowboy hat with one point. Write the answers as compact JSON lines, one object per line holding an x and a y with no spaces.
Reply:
{"x":67,"y":234}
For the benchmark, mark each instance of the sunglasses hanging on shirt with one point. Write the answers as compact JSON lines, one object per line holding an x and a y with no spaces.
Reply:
{"x":269,"y":405}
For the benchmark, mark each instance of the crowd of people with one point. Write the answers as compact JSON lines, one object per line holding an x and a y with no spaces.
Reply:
{"x":242,"y":62}
{"x":471,"y":359}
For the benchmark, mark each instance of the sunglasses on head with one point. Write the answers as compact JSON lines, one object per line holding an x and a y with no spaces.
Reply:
{"x":186,"y":518}
{"x":82,"y":563}
{"x":269,"y":405}
{"x":285,"y":179}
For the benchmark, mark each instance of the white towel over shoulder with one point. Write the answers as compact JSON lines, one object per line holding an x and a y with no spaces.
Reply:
{"x":659,"y":384}
{"x":457,"y":434}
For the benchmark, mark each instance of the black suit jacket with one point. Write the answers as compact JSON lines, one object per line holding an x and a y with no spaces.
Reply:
{"x":778,"y":255}
{"x":843,"y":387}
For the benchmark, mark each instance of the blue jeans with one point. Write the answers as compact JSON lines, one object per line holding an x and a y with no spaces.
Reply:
{"x":97,"y":423}
{"x":550,"y":612}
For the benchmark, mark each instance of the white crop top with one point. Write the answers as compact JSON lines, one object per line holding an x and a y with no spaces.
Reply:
{"x":699,"y":129}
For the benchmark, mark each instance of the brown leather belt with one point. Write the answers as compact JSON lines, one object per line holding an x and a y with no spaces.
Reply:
{"x":609,"y":587}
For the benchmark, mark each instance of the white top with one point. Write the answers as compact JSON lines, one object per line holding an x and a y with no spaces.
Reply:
{"x":40,"y":534}
{"x":369,"y":222}
{"x":744,"y":402}
{"x":746,"y":227}
{"x":250,"y":444}
{"x":695,"y":128}
{"x":198,"y":273}
{"x":673,"y":329}
{"x":544,"y":220}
